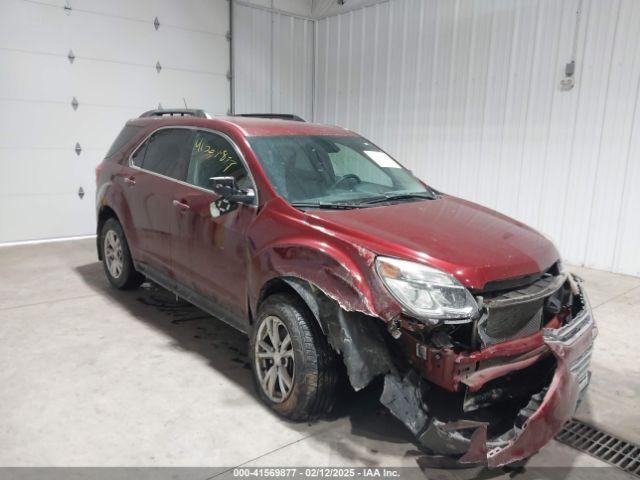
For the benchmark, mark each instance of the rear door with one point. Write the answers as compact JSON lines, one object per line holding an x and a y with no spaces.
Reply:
{"x":155,"y":168}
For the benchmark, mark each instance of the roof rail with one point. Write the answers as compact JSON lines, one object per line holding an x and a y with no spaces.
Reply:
{"x":278,"y":116}
{"x":175,"y":112}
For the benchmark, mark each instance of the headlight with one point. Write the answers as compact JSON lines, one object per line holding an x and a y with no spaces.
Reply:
{"x":426,"y":292}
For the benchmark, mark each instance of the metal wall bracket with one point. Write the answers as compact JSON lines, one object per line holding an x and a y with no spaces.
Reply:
{"x":78,"y":148}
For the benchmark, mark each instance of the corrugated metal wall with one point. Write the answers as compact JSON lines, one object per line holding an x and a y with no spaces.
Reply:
{"x":467,"y":94}
{"x":273,"y":61}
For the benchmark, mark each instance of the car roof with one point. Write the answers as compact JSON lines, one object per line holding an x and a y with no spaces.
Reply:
{"x":249,"y":126}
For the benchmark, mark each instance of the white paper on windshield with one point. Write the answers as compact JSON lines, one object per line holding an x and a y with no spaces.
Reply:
{"x":382,"y":159}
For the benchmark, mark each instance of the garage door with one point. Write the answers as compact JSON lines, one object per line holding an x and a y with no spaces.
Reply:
{"x":71,"y":73}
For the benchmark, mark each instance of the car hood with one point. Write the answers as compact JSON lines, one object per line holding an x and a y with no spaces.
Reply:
{"x":475,"y":244}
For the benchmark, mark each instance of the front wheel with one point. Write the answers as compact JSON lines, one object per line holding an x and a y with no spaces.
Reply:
{"x":116,"y":257}
{"x":293,"y":365}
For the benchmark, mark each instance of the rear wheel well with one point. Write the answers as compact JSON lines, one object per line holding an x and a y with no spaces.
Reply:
{"x":105,"y":214}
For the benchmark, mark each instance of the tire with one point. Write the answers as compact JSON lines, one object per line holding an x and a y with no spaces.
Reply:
{"x":115,"y":252}
{"x":313,"y":374}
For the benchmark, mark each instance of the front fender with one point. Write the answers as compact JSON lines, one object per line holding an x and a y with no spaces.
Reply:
{"x":343,"y":273}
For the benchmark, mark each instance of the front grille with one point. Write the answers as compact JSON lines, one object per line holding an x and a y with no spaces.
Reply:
{"x":513,"y":322}
{"x":519,"y":312}
{"x":601,"y":445}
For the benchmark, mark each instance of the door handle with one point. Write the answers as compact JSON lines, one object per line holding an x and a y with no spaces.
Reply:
{"x":181,"y":205}
{"x":130,"y":181}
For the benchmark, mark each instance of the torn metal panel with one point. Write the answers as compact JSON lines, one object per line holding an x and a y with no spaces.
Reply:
{"x":447,"y":438}
{"x":403,"y":398}
{"x":357,"y":337}
{"x":363,"y":349}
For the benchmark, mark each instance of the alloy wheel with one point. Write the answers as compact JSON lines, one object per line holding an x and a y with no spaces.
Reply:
{"x":275,"y":364}
{"x":113,"y":254}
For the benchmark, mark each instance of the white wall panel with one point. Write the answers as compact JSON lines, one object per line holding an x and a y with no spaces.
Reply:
{"x":113,"y":78}
{"x":273,"y":62}
{"x":467,"y":94}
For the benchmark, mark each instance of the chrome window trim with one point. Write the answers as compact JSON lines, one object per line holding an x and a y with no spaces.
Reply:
{"x":253,"y":204}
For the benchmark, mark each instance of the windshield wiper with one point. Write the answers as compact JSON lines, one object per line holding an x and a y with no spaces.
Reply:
{"x":328,"y":206}
{"x":398,"y":196}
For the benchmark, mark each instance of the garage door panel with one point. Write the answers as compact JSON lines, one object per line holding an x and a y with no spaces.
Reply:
{"x":41,"y":124}
{"x":115,"y":39}
{"x":45,"y":171}
{"x":99,"y":83}
{"x":95,"y":127}
{"x":113,"y":78}
{"x":139,"y":9}
{"x":209,"y":92}
{"x":205,"y":15}
{"x":33,"y":217}
{"x":196,"y":51}
{"x":41,"y":27}
{"x":57,"y":125}
{"x":22,"y":75}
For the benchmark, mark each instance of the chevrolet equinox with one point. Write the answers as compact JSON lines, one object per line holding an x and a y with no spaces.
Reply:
{"x":325,"y":250}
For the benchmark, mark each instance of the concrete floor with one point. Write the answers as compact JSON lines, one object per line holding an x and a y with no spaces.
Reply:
{"x":91,"y":376}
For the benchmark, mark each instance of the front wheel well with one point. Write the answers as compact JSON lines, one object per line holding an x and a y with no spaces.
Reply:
{"x":301,"y":289}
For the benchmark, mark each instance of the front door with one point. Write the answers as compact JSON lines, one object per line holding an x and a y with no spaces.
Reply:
{"x":210,"y":251}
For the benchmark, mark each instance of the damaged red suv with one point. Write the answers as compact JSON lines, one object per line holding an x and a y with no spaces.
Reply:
{"x":324,"y":249}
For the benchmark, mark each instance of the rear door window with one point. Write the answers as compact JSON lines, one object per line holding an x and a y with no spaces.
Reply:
{"x":166,"y":152}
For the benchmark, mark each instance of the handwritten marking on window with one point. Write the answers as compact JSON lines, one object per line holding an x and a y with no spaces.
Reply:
{"x":222,"y":155}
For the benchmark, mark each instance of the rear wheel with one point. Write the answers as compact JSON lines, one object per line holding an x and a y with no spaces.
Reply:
{"x":116,"y":257}
{"x":294,"y":367}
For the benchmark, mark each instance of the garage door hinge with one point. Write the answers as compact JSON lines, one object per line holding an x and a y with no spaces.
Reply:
{"x":71,"y":56}
{"x":228,"y":36}
{"x":67,"y":7}
{"x":80,"y":193}
{"x":158,"y":66}
{"x":78,"y":148}
{"x":74,"y":103}
{"x":156,"y":23}
{"x":229,"y":76}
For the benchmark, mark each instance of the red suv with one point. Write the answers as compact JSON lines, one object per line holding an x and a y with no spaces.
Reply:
{"x":324,"y":249}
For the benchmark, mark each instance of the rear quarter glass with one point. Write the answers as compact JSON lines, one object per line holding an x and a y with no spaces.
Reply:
{"x":126,"y":135}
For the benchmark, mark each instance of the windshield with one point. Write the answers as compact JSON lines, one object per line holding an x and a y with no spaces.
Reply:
{"x":333,"y":170}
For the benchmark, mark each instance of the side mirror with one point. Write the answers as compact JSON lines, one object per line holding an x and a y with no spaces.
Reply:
{"x":227,"y":189}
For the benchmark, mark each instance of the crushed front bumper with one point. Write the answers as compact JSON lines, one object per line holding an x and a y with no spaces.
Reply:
{"x":545,"y":414}
{"x":572,"y":345}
